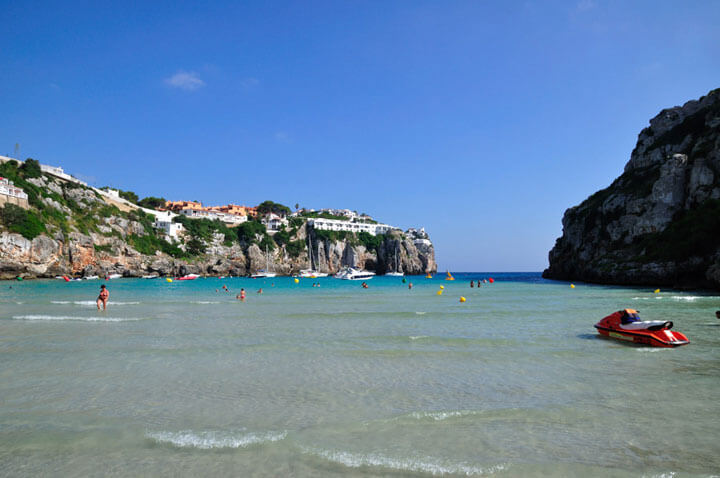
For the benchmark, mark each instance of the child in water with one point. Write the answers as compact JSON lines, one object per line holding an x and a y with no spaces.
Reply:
{"x":241,"y":296}
{"x":103,"y":297}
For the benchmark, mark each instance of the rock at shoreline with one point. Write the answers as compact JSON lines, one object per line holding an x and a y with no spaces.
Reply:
{"x":659,"y":222}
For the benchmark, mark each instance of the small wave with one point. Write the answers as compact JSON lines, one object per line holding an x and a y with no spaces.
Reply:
{"x":428,"y":465}
{"x":90,"y":303}
{"x":215,"y":440}
{"x":651,"y":349}
{"x":82,"y":319}
{"x":420,"y":313}
{"x":204,"y":302}
{"x":689,"y":298}
{"x":418,"y":337}
{"x":440,"y":415}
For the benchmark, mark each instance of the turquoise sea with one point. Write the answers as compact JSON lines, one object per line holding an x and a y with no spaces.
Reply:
{"x":178,"y":379}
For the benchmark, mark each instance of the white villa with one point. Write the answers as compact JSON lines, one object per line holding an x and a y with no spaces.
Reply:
{"x":9,"y":193}
{"x":213,"y":215}
{"x":350,"y":226}
{"x":273,"y":222}
{"x":171,"y":229}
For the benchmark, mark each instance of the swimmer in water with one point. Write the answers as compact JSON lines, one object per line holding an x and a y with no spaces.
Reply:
{"x":410,"y":285}
{"x":259,"y":291}
{"x":242,"y":295}
{"x":103,"y":297}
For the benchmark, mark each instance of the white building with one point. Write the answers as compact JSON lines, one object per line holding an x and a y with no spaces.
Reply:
{"x":8,"y":188}
{"x":214,"y":215}
{"x":58,"y":172}
{"x":350,"y":226}
{"x":171,"y":229}
{"x":273,"y":222}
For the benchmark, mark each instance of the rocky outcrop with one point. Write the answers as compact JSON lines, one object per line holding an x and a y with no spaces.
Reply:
{"x":659,"y":222}
{"x":82,"y":255}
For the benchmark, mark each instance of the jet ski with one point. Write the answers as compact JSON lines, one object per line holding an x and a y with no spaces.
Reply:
{"x":626,"y":325}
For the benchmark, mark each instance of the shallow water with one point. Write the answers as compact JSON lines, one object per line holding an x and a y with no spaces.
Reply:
{"x":176,"y":379}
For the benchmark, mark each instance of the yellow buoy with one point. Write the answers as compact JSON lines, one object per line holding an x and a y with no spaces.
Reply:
{"x":462,"y":299}
{"x":168,"y":279}
{"x":439,"y":292}
{"x":572,"y":286}
{"x":297,"y":280}
{"x":442,"y":286}
{"x":657,"y":291}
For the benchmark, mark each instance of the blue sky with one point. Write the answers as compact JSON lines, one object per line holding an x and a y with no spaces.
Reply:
{"x":482,"y":121}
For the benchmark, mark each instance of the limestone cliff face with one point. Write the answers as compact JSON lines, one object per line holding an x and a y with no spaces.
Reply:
{"x":82,"y":255}
{"x":659,"y":222}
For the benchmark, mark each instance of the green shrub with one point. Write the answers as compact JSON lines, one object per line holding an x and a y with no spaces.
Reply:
{"x":296,"y":222}
{"x":103,"y":248}
{"x":247,"y":231}
{"x":267,"y":243}
{"x":295,"y":248}
{"x":370,"y":242}
{"x":267,"y":207}
{"x":151,"y":202}
{"x":31,"y":168}
{"x":281,"y":237}
{"x":23,"y":222}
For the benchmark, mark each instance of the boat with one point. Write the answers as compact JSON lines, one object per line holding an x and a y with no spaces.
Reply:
{"x":151,"y":276}
{"x":114,"y":276}
{"x":311,"y":273}
{"x":449,"y":276}
{"x":91,"y":277}
{"x":626,"y":325}
{"x":350,"y":273}
{"x":397,"y":272}
{"x":188,"y":277}
{"x":263,"y":273}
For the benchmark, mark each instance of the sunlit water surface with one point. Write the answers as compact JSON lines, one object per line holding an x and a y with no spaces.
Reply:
{"x":178,"y":379}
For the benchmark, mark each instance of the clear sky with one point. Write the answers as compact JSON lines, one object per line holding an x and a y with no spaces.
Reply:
{"x":481,"y":121}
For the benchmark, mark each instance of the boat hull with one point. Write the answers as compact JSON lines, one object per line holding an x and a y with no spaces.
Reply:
{"x":654,"y":336}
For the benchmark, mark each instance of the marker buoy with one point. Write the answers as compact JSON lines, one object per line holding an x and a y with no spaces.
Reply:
{"x":168,"y":279}
{"x":657,"y":291}
{"x":297,"y":280}
{"x":491,"y":280}
{"x":462,"y":299}
{"x":442,"y":286}
{"x":439,"y":292}
{"x":572,"y":286}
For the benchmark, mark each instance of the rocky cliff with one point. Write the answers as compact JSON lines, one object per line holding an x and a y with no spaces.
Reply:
{"x":659,"y":222}
{"x":72,"y":230}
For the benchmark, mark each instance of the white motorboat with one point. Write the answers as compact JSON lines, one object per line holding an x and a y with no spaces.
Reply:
{"x":350,"y":273}
{"x":91,"y":277}
{"x":151,"y":276}
{"x":114,"y":276}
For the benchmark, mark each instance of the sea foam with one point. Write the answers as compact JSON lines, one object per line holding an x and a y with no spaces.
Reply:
{"x":208,"y":440}
{"x":90,"y":303}
{"x":81,"y":319}
{"x":428,"y":465}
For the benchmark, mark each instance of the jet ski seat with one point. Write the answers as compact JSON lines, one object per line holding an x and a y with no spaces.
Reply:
{"x":648,"y":325}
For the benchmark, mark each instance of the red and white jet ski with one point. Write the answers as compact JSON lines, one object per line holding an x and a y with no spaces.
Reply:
{"x":626,"y":325}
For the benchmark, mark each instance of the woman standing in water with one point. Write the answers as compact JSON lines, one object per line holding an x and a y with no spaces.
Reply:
{"x":103,"y":297}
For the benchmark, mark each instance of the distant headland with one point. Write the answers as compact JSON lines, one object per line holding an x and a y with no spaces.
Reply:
{"x":659,"y":222}
{"x":52,"y":223}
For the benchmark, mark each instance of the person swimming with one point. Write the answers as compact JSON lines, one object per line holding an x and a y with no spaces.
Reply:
{"x":103,"y":297}
{"x":242,"y":295}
